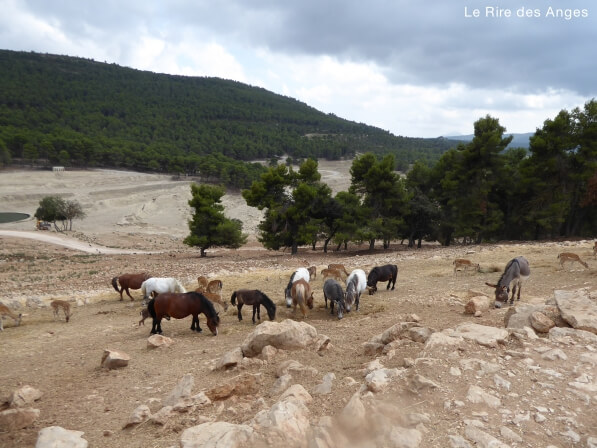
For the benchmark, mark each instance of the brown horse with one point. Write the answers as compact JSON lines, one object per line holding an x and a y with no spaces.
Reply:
{"x":256,"y":298}
{"x":179,"y":305}
{"x":129,"y":281}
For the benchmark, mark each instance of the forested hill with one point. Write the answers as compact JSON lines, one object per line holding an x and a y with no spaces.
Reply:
{"x":99,"y":114}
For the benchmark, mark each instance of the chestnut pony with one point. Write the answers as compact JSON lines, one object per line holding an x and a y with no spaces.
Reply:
{"x":180,"y":305}
{"x":125,"y":282}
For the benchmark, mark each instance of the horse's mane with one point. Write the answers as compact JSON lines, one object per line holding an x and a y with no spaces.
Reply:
{"x":210,"y":310}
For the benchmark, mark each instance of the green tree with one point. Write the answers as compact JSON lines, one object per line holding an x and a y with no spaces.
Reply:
{"x":382,"y":193}
{"x":209,"y":226}
{"x":72,"y":210}
{"x":51,"y":209}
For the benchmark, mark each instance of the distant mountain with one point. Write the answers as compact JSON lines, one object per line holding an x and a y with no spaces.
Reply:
{"x":519,"y":140}
{"x":99,"y":114}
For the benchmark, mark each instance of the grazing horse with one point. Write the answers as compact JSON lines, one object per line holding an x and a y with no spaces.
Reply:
{"x":159,"y":285}
{"x":332,"y":290}
{"x":299,"y":274}
{"x":301,"y":296}
{"x":129,"y":281}
{"x":517,"y":271}
{"x":387,"y":272}
{"x":256,"y":298}
{"x":179,"y":306}
{"x":356,"y":283}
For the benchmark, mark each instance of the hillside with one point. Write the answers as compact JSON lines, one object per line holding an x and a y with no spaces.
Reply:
{"x":78,"y":111}
{"x":518,"y":140}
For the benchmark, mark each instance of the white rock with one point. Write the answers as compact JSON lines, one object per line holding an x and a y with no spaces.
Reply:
{"x":57,"y":437}
{"x":217,"y":435}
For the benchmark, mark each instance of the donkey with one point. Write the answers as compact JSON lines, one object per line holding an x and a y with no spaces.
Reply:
{"x":332,"y":290}
{"x":517,"y":271}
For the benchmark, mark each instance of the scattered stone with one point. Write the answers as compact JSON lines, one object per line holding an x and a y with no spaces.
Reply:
{"x":510,"y":435}
{"x":379,"y":379}
{"x":182,"y":390}
{"x":113,"y":359}
{"x":158,"y":341}
{"x":483,"y":439}
{"x":216,"y":435}
{"x":476,"y":394}
{"x":161,"y":417}
{"x":325,"y":387}
{"x":285,"y":335}
{"x":139,"y":415}
{"x":540,"y":322}
{"x":55,"y":436}
{"x":477,"y":304}
{"x":24,"y":396}
{"x":482,"y":334}
{"x":231,"y":359}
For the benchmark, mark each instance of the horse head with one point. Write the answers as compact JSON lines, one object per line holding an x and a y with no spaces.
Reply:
{"x":213,"y":323}
{"x":310,"y":301}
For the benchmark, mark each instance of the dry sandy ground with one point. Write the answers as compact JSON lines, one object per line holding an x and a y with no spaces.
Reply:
{"x":146,"y":213}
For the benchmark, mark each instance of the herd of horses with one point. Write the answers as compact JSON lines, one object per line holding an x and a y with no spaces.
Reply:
{"x":166,"y":297}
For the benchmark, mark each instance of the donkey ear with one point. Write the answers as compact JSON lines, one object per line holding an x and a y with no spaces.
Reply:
{"x":489,"y":284}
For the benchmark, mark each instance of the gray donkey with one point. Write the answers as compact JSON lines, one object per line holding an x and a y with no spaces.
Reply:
{"x":517,"y":271}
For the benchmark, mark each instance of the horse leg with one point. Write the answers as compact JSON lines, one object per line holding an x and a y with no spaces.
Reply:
{"x":259,"y":312}
{"x":196,"y":319}
{"x":129,"y":294}
{"x":240,"y":316}
{"x":331,"y":306}
{"x":156,"y":326}
{"x":357,"y":300}
{"x":514,"y":292}
{"x":254,"y":311}
{"x":121,"y":289}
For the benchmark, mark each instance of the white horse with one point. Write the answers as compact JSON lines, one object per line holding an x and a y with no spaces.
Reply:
{"x":356,"y":283}
{"x":160,"y":285}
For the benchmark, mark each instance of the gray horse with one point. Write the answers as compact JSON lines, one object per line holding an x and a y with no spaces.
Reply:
{"x":517,"y":271}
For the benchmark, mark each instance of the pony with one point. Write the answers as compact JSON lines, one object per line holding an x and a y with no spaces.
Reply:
{"x":301,"y":296}
{"x":253,"y":297}
{"x":129,"y":281}
{"x":517,"y":271}
{"x":332,"y":290}
{"x":356,"y":283}
{"x":381,"y":274}
{"x":299,"y":274}
{"x":160,"y":285}
{"x":6,"y":311}
{"x":179,"y":306}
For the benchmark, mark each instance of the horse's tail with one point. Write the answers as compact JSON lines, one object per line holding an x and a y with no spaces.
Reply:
{"x":151,"y":308}
{"x":233,"y":298}
{"x":115,"y":284}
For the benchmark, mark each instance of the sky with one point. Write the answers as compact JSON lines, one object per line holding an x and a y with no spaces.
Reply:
{"x":417,"y":68}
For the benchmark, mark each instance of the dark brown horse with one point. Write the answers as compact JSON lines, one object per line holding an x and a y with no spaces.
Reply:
{"x":129,"y":281}
{"x":179,"y":305}
{"x":387,"y":272}
{"x":256,"y":298}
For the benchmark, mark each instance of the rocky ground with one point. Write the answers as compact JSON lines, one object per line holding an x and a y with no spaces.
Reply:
{"x":409,"y":369}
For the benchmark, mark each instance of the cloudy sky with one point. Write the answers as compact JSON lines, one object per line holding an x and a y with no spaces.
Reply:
{"x":419,"y":68}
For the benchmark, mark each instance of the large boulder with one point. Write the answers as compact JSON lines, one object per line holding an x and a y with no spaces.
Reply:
{"x":285,"y":335}
{"x":482,"y":334}
{"x":24,"y":396}
{"x":113,"y":359}
{"x":578,"y":309}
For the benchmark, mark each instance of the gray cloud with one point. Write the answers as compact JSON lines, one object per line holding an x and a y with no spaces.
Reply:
{"x":419,"y":42}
